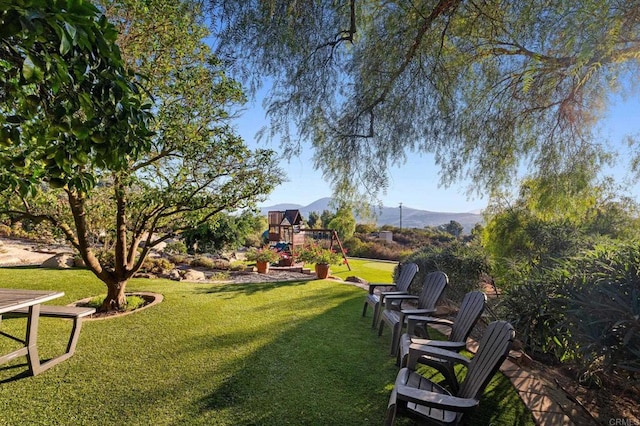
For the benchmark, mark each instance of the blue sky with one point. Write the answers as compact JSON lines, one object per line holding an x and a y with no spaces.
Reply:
{"x":415,"y":184}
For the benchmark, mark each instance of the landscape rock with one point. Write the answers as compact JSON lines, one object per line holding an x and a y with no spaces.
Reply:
{"x":144,"y":275}
{"x":354,"y":279}
{"x":193,"y":275}
{"x":78,"y":262}
{"x":174,"y":275}
{"x":60,"y":261}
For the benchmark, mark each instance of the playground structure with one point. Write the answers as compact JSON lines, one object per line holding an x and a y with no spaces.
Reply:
{"x":286,"y":230}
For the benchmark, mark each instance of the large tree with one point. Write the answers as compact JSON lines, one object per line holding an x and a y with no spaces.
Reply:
{"x":486,"y":86}
{"x":193,"y":166}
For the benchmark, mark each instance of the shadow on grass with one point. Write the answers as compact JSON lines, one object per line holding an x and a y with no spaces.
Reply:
{"x":330,"y":368}
{"x":21,"y":375}
{"x":248,"y":289}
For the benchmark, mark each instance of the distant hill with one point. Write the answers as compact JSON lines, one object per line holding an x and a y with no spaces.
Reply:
{"x":411,"y":218}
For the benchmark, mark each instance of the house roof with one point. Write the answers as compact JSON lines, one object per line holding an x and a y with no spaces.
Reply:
{"x":292,"y":217}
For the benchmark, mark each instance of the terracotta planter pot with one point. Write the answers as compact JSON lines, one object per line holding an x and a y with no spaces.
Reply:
{"x":263,"y":267}
{"x":322,"y":270}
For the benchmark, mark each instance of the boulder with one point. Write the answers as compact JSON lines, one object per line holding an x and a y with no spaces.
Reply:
{"x":78,"y":262}
{"x":60,"y":261}
{"x":193,"y":275}
{"x":354,"y":279}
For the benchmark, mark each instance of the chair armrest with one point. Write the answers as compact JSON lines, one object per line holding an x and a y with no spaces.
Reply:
{"x":436,"y":400}
{"x":384,"y":294}
{"x":414,"y":320}
{"x":443,"y":344}
{"x":372,"y":286}
{"x":416,"y":351}
{"x":395,"y":300}
{"x":402,"y":296}
{"x":417,"y":311}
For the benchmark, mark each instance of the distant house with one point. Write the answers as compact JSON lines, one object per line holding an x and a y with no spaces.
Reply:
{"x":284,"y":227}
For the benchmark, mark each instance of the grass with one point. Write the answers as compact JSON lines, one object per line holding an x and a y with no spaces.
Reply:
{"x":216,"y":354}
{"x":133,"y":302}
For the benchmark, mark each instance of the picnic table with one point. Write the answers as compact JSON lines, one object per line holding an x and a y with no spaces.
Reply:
{"x":28,"y":303}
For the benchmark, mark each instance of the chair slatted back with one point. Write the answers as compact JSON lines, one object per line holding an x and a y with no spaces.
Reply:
{"x":432,"y":289}
{"x":492,"y":350}
{"x":471,"y":309}
{"x":407,"y":273}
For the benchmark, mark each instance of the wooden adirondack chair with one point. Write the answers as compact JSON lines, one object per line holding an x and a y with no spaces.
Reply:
{"x":395,"y":310}
{"x":471,"y":308}
{"x":400,"y":287}
{"x":416,"y":396}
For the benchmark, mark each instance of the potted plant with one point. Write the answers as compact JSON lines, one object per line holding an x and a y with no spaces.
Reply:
{"x":286,"y":258}
{"x":263,"y":257}
{"x":322,"y":257}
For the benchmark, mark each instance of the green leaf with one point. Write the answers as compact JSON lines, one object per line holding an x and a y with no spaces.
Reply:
{"x":65,"y":44}
{"x":14,"y":119}
{"x":81,"y":132}
{"x":71,"y":30}
{"x":30,"y":71}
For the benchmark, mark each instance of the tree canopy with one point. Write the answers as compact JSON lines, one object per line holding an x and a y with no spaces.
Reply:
{"x":67,"y":103}
{"x":487,"y":87}
{"x":189,"y":166}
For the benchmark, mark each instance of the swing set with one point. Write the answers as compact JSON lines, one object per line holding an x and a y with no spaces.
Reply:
{"x":284,"y":228}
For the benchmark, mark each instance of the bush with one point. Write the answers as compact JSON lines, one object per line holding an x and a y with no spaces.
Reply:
{"x":263,"y":254}
{"x":463,"y":263}
{"x":584,"y":309}
{"x":176,"y":247}
{"x":5,"y":231}
{"x":203,"y":261}
{"x":206,"y":262}
{"x":536,"y":312}
{"x":316,"y":253}
{"x":602,"y":292}
{"x":372,"y":248}
{"x":178,"y":259}
{"x":156,"y":265}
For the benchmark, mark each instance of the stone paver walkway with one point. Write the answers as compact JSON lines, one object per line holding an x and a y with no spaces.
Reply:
{"x":548,"y":404}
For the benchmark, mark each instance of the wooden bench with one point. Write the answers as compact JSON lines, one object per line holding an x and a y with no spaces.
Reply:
{"x":75,"y":313}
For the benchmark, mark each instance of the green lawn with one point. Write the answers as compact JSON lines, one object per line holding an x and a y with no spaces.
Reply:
{"x":217,"y":354}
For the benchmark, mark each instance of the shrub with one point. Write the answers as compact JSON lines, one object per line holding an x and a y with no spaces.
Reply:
{"x":536,"y":312}
{"x":5,"y":231}
{"x":585,"y":309}
{"x":203,"y":261}
{"x":315,"y":253}
{"x":178,"y":259}
{"x":463,"y":263}
{"x":220,"y":276}
{"x":263,"y":254}
{"x":602,"y":291}
{"x":156,"y":265}
{"x":372,"y":248}
{"x":237,"y":265}
{"x":176,"y":247}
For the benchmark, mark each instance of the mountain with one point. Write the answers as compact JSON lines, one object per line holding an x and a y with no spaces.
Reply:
{"x":411,"y":218}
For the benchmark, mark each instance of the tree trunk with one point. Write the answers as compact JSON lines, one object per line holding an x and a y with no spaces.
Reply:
{"x":115,"y":299}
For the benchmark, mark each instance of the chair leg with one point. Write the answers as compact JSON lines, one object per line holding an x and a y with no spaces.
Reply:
{"x":376,"y":315}
{"x":380,"y":327}
{"x":395,"y":338}
{"x":364,"y":310}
